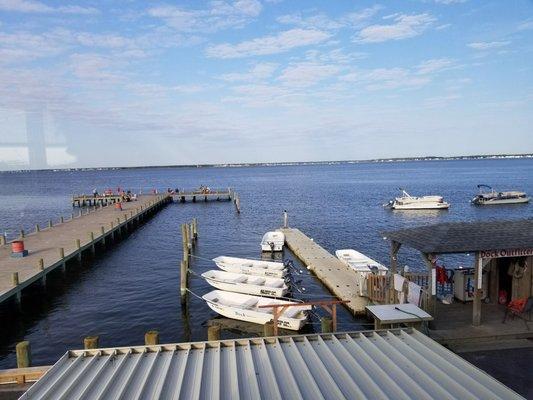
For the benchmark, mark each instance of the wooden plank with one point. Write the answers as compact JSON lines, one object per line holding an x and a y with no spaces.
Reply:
{"x":334,"y":274}
{"x":22,"y":375}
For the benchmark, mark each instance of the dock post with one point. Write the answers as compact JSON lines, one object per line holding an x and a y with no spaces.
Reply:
{"x":326,"y":324}
{"x":90,"y":342}
{"x":2,"y":239}
{"x":40,"y":264}
{"x":37,"y":228}
{"x":22,"y":233}
{"x":183,"y":280}
{"x":285,"y":219}
{"x":268,"y":329}
{"x":15,"y":281}
{"x":184,"y":234}
{"x":191,"y":236}
{"x":50,"y":223}
{"x":195,"y":228}
{"x":78,"y":246}
{"x":102,"y":232}
{"x":112,"y":230}
{"x":213,"y":332}
{"x":91,"y":240}
{"x":23,"y":350}
{"x":151,"y":338}
{"x":61,"y":219}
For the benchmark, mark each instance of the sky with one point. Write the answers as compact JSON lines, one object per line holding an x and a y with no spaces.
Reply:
{"x":132,"y":83}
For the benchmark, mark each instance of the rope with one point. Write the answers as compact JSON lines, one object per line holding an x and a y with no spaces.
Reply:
{"x":424,"y":323}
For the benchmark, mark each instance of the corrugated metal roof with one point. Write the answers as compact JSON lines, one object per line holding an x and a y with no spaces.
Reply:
{"x":464,"y":237}
{"x":394,"y":364}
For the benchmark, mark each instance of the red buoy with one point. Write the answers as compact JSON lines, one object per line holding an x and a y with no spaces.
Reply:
{"x":17,"y":246}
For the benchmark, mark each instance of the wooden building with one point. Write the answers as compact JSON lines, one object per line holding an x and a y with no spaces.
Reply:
{"x":503,"y":257}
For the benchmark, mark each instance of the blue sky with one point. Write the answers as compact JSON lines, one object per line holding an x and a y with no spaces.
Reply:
{"x":108,"y":83}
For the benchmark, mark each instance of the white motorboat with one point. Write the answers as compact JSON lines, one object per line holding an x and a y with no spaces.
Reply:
{"x":245,"y":307}
{"x":493,"y":197}
{"x":251,"y":267}
{"x":273,"y":241}
{"x":408,"y":202}
{"x":362,"y":265}
{"x":248,"y":284}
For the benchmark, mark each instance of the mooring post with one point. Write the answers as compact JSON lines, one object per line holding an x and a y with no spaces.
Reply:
{"x":195,"y":228}
{"x":326,"y":324}
{"x":2,"y":239}
{"x":191,"y":236}
{"x":268,"y":329}
{"x":22,"y":233}
{"x":285,"y":219}
{"x":90,"y":342}
{"x":151,"y":338}
{"x":37,"y":228}
{"x":61,"y":219}
{"x":23,"y":350}
{"x":40,"y":264}
{"x":102,"y":233}
{"x":183,"y":280}
{"x":213,"y":332}
{"x":50,"y":223}
{"x":91,"y":240}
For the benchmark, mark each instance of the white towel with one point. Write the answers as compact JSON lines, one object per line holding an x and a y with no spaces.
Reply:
{"x":413,"y":296}
{"x":401,"y":297}
{"x":398,"y":282}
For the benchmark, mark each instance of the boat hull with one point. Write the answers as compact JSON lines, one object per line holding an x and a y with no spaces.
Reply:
{"x":496,"y":202}
{"x":421,"y":206}
{"x":251,"y":267}
{"x":247,"y":288}
{"x":266,"y":247}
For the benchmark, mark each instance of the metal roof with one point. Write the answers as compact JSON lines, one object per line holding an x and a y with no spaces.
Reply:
{"x":393,"y":364}
{"x":464,"y":237}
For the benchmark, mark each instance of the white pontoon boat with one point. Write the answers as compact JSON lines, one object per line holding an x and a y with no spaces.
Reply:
{"x":408,"y":202}
{"x":248,"y":284}
{"x":273,"y":241}
{"x":244,"y":307}
{"x":493,"y":197}
{"x":251,"y":267}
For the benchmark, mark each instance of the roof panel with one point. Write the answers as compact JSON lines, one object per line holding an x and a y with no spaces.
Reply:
{"x":462,"y":237}
{"x":394,"y":364}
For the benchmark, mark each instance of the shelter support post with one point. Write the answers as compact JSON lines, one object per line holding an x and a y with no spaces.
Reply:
{"x":432,"y":283}
{"x":478,"y":279}
{"x":395,"y":247}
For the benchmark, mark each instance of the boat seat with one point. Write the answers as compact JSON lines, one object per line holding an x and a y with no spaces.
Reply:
{"x":248,"y":304}
{"x":256,"y":280}
{"x":240,"y":279}
{"x":277,"y":284}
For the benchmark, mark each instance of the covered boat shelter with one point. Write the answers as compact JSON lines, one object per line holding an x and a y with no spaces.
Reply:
{"x":503,"y":257}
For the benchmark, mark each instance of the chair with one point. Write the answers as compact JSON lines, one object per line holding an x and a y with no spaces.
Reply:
{"x":520,"y":308}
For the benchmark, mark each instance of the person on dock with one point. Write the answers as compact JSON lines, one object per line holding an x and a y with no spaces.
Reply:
{"x":95,"y":193}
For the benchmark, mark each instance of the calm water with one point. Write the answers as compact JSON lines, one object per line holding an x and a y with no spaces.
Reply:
{"x":134,"y":286}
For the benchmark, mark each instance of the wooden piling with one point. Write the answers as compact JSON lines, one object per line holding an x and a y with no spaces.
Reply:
{"x":191,"y":236}
{"x":102,"y":233}
{"x":61,"y":219}
{"x":285,"y":219}
{"x":195,"y":228}
{"x":213,"y":332}
{"x":185,"y":244}
{"x":40,"y":264}
{"x":22,"y":233}
{"x":90,"y":342}
{"x":268,"y":329}
{"x":61,"y":251}
{"x":326,"y":324}
{"x":151,"y":338}
{"x":23,"y":350}
{"x":2,"y":239}
{"x":183,"y":279}
{"x":50,"y":223}
{"x":37,"y":228}
{"x":15,"y":278}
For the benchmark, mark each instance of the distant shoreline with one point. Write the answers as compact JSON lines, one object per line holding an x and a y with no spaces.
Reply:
{"x":293,"y":163}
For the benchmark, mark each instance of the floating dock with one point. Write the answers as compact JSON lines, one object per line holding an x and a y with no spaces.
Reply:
{"x":53,"y":246}
{"x":334,"y":274}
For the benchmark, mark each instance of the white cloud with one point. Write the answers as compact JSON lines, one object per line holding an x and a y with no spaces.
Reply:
{"x":434,"y":65}
{"x":258,"y":72}
{"x":386,"y":78}
{"x":265,"y":45}
{"x":404,"y":26}
{"x":219,"y":15}
{"x":307,"y":74}
{"x":448,"y":2}
{"x":525,"y":25}
{"x":322,"y":21}
{"x":31,"y":6}
{"x":488,"y":45}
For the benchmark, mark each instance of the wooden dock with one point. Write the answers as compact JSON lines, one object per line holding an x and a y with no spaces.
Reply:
{"x":198,"y":195}
{"x":333,"y":273}
{"x":83,"y":200}
{"x":53,"y":246}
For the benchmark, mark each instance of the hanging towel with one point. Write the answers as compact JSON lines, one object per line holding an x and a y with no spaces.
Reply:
{"x":398,"y":282}
{"x":413,"y":296}
{"x":401,"y":297}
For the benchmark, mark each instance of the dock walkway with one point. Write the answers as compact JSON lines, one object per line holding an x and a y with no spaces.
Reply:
{"x":50,"y":248}
{"x":333,"y":273}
